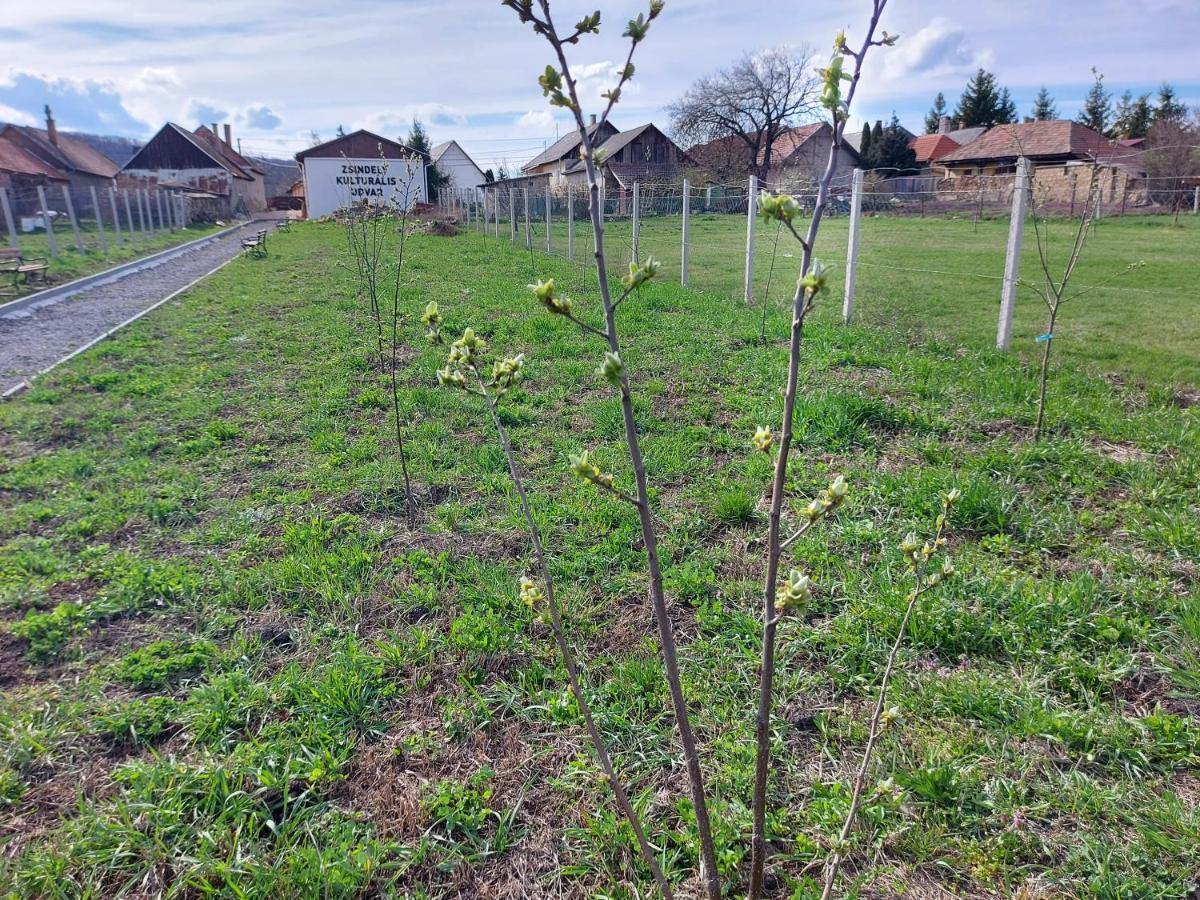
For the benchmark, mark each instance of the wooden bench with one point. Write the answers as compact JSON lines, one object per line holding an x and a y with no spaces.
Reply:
{"x":256,"y":245}
{"x":21,"y":268}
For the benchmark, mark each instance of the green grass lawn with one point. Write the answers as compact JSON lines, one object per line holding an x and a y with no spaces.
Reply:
{"x":941,"y":277}
{"x":72,"y":264}
{"x":229,"y":666}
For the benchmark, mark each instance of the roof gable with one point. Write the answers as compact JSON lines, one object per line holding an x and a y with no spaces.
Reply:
{"x":174,"y":147}
{"x":931,"y":147}
{"x":565,"y":146}
{"x":359,"y":144}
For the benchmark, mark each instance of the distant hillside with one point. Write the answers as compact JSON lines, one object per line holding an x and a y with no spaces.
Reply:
{"x":280,"y":175}
{"x":119,"y":149}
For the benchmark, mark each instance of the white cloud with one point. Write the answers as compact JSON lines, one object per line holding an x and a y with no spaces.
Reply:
{"x":539,"y":122}
{"x":939,"y":49}
{"x":399,"y":121}
{"x":16,"y":116}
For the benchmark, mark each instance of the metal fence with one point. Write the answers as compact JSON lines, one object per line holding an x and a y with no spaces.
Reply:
{"x":709,"y":238}
{"x":53,"y":218}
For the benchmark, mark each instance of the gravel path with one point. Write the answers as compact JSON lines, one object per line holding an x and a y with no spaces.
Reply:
{"x":31,"y":340}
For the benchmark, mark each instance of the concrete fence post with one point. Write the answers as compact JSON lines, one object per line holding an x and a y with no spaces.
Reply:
{"x":47,"y":221}
{"x":9,"y":226}
{"x":683,"y":248}
{"x":163,"y":224}
{"x":549,"y":240}
{"x":856,"y":193}
{"x":751,"y":216}
{"x":707,"y":197}
{"x":496,"y":211}
{"x":1012,"y":260}
{"x":637,"y":219}
{"x":130,"y":225}
{"x":603,"y":200}
{"x":525,"y":206}
{"x":570,"y":220}
{"x":1196,"y":202}
{"x":112,"y":202}
{"x":99,"y":220}
{"x":139,"y":195}
{"x":71,"y":218}
{"x":512,"y":212}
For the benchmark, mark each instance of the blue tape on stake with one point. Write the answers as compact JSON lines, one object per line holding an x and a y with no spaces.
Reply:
{"x":1042,"y":338}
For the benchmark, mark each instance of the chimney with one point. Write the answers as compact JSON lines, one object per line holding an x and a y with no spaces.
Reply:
{"x":593,"y":118}
{"x":228,"y":139}
{"x":944,"y":124}
{"x":216,"y":133}
{"x":51,"y":128}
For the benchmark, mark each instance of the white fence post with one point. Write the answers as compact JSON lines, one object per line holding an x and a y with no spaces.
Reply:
{"x":9,"y":225}
{"x":513,"y":214}
{"x":496,"y":210}
{"x":1196,"y":202}
{"x":549,"y":240}
{"x":637,"y":219}
{"x":1012,"y":261}
{"x":99,"y":220}
{"x":751,"y":215}
{"x":47,"y":221}
{"x":112,"y":202}
{"x":683,"y":249}
{"x":852,"y":247}
{"x":162,"y":222}
{"x":570,"y":220}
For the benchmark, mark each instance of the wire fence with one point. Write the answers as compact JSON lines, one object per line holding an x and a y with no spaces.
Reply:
{"x":919,"y":252}
{"x":44,"y":220}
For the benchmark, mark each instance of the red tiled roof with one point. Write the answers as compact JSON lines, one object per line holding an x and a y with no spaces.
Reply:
{"x":1039,"y":139}
{"x":16,"y":161}
{"x":930,"y":147}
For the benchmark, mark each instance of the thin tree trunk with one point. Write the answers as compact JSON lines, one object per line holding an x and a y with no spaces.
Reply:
{"x":568,"y":656}
{"x":1045,"y":375}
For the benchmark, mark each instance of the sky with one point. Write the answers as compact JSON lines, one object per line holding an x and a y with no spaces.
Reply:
{"x":280,"y":70}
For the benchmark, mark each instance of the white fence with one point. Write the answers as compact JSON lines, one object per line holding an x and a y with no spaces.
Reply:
{"x":693,"y":231}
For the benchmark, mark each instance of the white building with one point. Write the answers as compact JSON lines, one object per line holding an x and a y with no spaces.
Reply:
{"x":361,"y":167}
{"x":451,"y":160}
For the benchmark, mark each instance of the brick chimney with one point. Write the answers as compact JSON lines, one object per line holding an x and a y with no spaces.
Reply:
{"x":593,"y":119}
{"x":216,"y":133}
{"x":944,"y":124}
{"x":51,"y":127}
{"x":228,"y":138}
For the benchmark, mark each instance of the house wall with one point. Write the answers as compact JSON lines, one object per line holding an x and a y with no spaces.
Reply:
{"x":807,"y":163}
{"x":1057,"y":182}
{"x":464,"y":174}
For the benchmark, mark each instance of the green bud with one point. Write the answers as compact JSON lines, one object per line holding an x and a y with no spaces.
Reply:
{"x":612,"y":368}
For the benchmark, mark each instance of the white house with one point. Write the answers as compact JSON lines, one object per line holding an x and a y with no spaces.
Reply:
{"x":450,"y":159}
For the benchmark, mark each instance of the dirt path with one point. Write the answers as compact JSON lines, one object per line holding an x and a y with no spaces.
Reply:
{"x":32,"y":339}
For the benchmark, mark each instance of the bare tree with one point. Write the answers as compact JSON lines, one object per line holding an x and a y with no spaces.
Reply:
{"x":1172,"y":161}
{"x":742,"y":110}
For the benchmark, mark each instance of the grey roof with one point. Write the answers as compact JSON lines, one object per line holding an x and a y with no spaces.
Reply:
{"x":613,"y":145}
{"x":559,"y":148}
{"x":963,"y":136}
{"x":854,"y":138}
